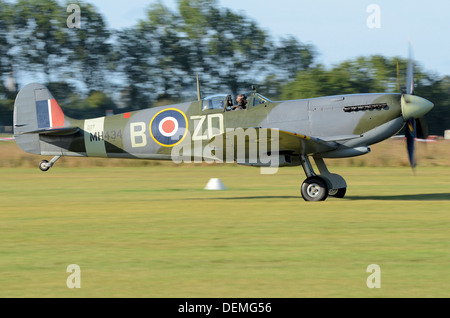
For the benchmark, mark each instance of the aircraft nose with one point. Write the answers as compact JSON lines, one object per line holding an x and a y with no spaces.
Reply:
{"x":415,"y":106}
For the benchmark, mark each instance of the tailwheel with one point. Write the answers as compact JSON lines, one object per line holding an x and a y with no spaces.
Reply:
{"x":337,"y":193}
{"x":43,"y":165}
{"x":314,"y":189}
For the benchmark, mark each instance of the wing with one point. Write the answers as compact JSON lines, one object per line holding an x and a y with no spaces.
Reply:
{"x":298,"y":144}
{"x":288,"y":142}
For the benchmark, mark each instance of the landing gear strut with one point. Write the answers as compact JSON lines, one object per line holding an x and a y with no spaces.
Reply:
{"x":319,"y":187}
{"x":44,"y":165}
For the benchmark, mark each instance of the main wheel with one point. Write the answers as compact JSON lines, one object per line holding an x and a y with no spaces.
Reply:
{"x":337,"y":193}
{"x":43,"y":165}
{"x":314,"y":189}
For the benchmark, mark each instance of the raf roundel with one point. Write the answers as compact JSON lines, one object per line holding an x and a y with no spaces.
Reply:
{"x":169,"y":127}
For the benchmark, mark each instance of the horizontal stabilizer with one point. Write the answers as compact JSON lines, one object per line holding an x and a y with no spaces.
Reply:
{"x":55,"y":131}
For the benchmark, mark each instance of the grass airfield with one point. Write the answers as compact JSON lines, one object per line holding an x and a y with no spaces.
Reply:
{"x":152,"y":231}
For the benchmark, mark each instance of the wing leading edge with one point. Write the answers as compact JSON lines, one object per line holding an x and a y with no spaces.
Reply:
{"x":288,"y":142}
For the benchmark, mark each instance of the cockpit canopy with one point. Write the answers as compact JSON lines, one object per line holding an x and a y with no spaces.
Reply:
{"x":217,"y":101}
{"x":257,"y":99}
{"x":225,"y":101}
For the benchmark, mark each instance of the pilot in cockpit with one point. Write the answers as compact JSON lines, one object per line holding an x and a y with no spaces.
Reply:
{"x":241,"y":100}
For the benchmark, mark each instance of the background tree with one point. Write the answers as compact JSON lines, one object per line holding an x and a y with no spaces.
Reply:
{"x":7,"y":94}
{"x":172,"y":67}
{"x":88,"y":48}
{"x":292,"y":56}
{"x":5,"y":39}
{"x":134,"y":61}
{"x":40,"y":36}
{"x":229,"y":49}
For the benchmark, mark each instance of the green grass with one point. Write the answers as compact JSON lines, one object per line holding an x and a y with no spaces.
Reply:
{"x":154,"y":232}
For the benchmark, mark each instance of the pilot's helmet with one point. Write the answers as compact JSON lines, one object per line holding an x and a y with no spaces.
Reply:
{"x":242,"y":96}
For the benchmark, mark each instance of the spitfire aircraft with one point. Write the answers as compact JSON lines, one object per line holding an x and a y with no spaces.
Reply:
{"x":297,"y":130}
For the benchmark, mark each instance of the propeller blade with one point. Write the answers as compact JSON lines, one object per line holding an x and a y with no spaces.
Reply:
{"x":410,"y":72}
{"x":413,"y":110}
{"x":410,"y":134}
{"x":421,"y":128}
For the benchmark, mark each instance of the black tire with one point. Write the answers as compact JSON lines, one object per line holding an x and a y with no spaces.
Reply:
{"x":43,"y":165}
{"x":314,"y":189}
{"x":337,"y":193}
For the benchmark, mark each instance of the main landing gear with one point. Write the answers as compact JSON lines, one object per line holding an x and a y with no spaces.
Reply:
{"x":319,"y":187}
{"x":44,"y":165}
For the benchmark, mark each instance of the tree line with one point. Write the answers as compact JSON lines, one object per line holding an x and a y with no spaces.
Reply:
{"x":94,"y":68}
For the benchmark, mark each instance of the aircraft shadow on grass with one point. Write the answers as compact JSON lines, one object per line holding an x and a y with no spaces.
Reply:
{"x":402,"y":197}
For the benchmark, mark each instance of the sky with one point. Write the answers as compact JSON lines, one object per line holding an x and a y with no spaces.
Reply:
{"x":339,"y":30}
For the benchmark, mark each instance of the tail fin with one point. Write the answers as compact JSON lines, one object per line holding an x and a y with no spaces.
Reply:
{"x":36,"y":112}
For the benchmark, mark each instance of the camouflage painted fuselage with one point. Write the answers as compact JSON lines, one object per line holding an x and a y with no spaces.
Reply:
{"x":335,"y":126}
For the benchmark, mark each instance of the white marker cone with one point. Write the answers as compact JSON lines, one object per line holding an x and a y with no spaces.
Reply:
{"x":215,"y":184}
